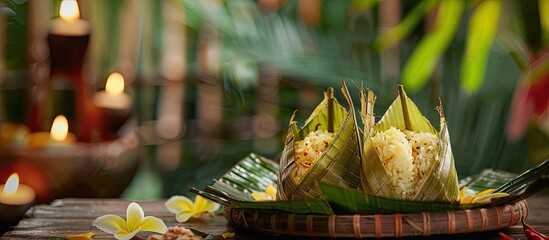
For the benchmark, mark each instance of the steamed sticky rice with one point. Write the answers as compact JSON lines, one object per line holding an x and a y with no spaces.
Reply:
{"x":309,"y":150}
{"x":406,"y":156}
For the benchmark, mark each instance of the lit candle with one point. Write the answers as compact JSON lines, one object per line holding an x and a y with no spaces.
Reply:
{"x":114,"y":105}
{"x":15,"y":199}
{"x":68,"y":42}
{"x":14,"y":193}
{"x":58,"y":136}
{"x":69,"y":23}
{"x":114,"y":96}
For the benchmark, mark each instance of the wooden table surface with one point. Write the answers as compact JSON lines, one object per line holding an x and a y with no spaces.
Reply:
{"x":72,"y":216}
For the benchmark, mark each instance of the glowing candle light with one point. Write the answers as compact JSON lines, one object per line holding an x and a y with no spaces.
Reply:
{"x":12,"y":184}
{"x":114,"y":96}
{"x":114,"y":105}
{"x":58,"y":136}
{"x":14,"y":193}
{"x":69,"y":10}
{"x":59,"y":128}
{"x":69,"y":23}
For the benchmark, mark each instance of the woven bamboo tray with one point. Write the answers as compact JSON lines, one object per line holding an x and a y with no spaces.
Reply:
{"x":378,"y":225}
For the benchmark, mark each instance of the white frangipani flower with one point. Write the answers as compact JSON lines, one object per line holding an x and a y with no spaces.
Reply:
{"x":184,"y":208}
{"x":134,"y":223}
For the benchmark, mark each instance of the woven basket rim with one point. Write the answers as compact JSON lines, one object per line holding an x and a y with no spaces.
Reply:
{"x":378,"y":225}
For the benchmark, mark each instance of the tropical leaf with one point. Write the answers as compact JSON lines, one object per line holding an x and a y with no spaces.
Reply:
{"x":406,"y":26}
{"x":299,"y":207}
{"x":488,"y":178}
{"x":349,"y":201}
{"x":515,"y":185}
{"x":253,"y":174}
{"x":483,"y":27}
{"x":421,"y":64}
{"x":363,"y":4}
{"x":544,"y":19}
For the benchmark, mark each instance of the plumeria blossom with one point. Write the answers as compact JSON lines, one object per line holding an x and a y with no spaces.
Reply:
{"x":184,"y":208}
{"x":468,"y":196}
{"x":134,"y":223}
{"x":268,"y":195}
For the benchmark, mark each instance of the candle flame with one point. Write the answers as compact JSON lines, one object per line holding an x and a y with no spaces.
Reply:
{"x":12,"y":184}
{"x":59,"y":128}
{"x":115,"y":84}
{"x":69,"y":10}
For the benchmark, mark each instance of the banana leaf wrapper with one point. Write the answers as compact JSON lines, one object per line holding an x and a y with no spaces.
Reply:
{"x":339,"y":165}
{"x":440,"y":183}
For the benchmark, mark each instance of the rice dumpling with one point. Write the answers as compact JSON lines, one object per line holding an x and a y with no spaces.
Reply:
{"x":404,"y":157}
{"x":326,"y":149}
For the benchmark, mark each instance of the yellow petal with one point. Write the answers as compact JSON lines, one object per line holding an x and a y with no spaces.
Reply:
{"x":467,"y":200}
{"x":259,"y":196}
{"x":204,"y":205}
{"x":271,"y":191}
{"x":487,"y":198}
{"x":183,"y":216}
{"x":178,"y":204}
{"x":228,"y":235}
{"x":82,"y":236}
{"x":198,"y":214}
{"x":462,"y":193}
{"x":487,"y":191}
{"x":134,"y":214}
{"x":109,"y":223}
{"x":125,"y":235}
{"x":153,"y":224}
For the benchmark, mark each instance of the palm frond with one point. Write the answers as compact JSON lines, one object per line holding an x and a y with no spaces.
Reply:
{"x":253,"y":174}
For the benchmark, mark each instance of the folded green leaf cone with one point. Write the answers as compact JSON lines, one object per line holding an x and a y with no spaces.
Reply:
{"x":437,"y":182}
{"x":339,"y":164}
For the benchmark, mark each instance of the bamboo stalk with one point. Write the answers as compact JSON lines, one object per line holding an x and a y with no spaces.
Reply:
{"x":403,"y":97}
{"x":330,"y":94}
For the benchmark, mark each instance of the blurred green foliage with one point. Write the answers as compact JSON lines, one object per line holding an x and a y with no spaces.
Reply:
{"x":462,"y":59}
{"x":15,"y":42}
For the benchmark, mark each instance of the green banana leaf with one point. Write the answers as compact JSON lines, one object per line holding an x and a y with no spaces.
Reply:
{"x":253,"y":174}
{"x":350,"y":201}
{"x":339,"y":200}
{"x":440,"y":184}
{"x":338,"y":165}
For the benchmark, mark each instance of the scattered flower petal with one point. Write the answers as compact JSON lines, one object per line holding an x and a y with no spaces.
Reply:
{"x":184,"y":208}
{"x":82,"y":236}
{"x":467,"y":196}
{"x":134,"y":223}
{"x":228,"y":235}
{"x":268,"y":195}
